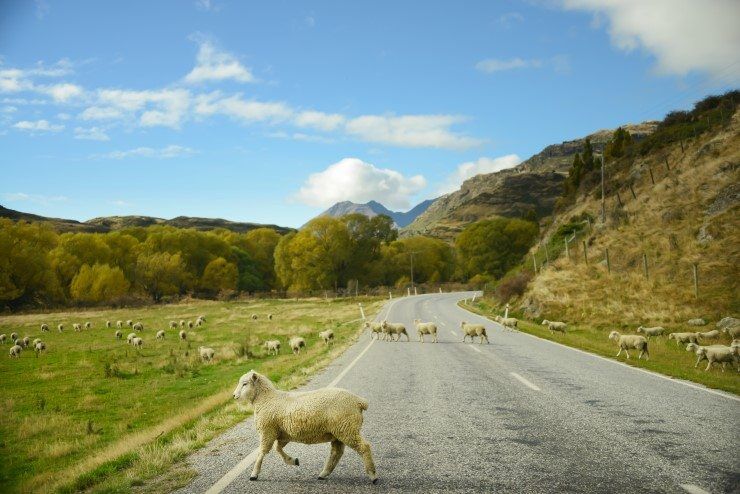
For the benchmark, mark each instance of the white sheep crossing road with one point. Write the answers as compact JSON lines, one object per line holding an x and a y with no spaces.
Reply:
{"x":518,"y":415}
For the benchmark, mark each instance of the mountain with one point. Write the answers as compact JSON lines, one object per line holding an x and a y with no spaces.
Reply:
{"x":112,"y":223}
{"x":374,"y":208}
{"x":533,"y":185}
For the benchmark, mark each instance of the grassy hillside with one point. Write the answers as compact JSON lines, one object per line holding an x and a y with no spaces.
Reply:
{"x":95,"y":404}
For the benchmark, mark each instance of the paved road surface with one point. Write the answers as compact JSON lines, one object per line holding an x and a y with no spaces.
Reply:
{"x":519,"y":415}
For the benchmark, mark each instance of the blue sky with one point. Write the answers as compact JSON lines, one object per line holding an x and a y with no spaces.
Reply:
{"x":272,"y":111}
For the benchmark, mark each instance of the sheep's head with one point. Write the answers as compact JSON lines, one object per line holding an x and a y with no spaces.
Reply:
{"x":545,"y":322}
{"x":691,"y":347}
{"x":639,"y":329}
{"x":614,"y":335}
{"x":384,"y":324}
{"x":672,"y":336}
{"x":249,"y":386}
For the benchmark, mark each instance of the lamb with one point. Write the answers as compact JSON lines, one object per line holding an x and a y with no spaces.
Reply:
{"x":272,"y":346}
{"x":137,"y":342}
{"x":173,"y":324}
{"x":327,"y":336}
{"x":107,"y":324}
{"x":324,"y":415}
{"x":129,"y":323}
{"x":396,"y":328}
{"x":160,"y":334}
{"x":206,"y":353}
{"x":654,"y":331}
{"x":138,"y":327}
{"x":119,"y":335}
{"x":710,"y":335}
{"x":119,"y":324}
{"x":39,"y":347}
{"x":13,"y":336}
{"x":254,"y":317}
{"x":376,"y":328}
{"x":423,"y":328}
{"x":717,"y":353}
{"x":3,"y":337}
{"x":555,"y":326}
{"x":77,"y":327}
{"x":696,"y":322}
{"x":15,"y":351}
{"x":183,"y":335}
{"x":130,"y":338}
{"x":88,"y":325}
{"x":473,"y":330}
{"x":627,"y":341}
{"x":60,"y":327}
{"x":684,"y":338}
{"x":44,"y":328}
{"x":296,"y":343}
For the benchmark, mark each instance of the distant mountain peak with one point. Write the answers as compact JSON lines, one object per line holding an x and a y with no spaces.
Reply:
{"x":374,"y":208}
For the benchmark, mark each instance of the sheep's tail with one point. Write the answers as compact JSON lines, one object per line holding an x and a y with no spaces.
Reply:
{"x":363,"y":404}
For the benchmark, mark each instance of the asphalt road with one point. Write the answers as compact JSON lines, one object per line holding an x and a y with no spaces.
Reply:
{"x":518,"y":415}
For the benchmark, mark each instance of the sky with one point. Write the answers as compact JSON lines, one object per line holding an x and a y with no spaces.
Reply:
{"x":270,"y":112}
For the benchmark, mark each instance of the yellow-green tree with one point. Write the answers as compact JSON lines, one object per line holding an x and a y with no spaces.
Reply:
{"x":99,"y":283}
{"x":219,"y":275}
{"x":161,"y":273}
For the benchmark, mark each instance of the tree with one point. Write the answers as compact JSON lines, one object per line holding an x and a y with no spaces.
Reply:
{"x":219,"y":275}
{"x":366,"y":235}
{"x":492,"y":247}
{"x":618,"y":144}
{"x":260,"y":244}
{"x":160,"y":274}
{"x":250,"y":279}
{"x":99,"y":283}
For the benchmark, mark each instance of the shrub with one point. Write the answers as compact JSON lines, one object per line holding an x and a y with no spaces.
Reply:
{"x":513,"y":286}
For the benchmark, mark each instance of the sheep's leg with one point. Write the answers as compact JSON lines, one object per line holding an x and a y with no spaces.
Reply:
{"x":337,"y":450}
{"x":363,"y":449}
{"x":627,"y":352}
{"x":266,"y":443}
{"x":286,"y":457}
{"x":697,"y":362}
{"x":620,"y":351}
{"x":709,"y":364}
{"x":421,"y":337}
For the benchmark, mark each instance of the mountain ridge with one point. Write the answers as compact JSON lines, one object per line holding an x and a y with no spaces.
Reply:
{"x":374,"y":208}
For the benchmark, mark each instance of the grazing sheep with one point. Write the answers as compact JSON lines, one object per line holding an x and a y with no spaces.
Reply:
{"x":190,"y":324}
{"x":137,"y":342}
{"x":13,"y":336}
{"x":44,"y":328}
{"x":324,"y":415}
{"x":396,"y":328}
{"x":728,"y":322}
{"x":15,"y":351}
{"x":183,"y":335}
{"x":39,"y":347}
{"x":509,"y":323}
{"x":119,"y":324}
{"x":119,"y":334}
{"x":376,"y":328}
{"x":648,"y":332}
{"x":627,"y":341}
{"x":717,"y":353}
{"x":108,"y":324}
{"x":35,"y":340}
{"x":77,"y":327}
{"x":88,"y":325}
{"x":296,"y":343}
{"x":129,"y":323}
{"x":173,"y":324}
{"x":423,"y":328}
{"x":254,"y":317}
{"x":60,"y":327}
{"x":199,"y":322}
{"x":269,"y":317}
{"x":684,"y":338}
{"x":206,"y":353}
{"x":272,"y":346}
{"x":696,"y":322}
{"x":160,"y":334}
{"x":138,"y":327}
{"x":733,"y":331}
{"x":20,"y":343}
{"x":182,"y":323}
{"x":130,"y":338}
{"x":473,"y":330}
{"x":26,"y":341}
{"x":327,"y":336}
{"x":3,"y":337}
{"x":202,"y":318}
{"x":555,"y":326}
{"x":710,"y":335}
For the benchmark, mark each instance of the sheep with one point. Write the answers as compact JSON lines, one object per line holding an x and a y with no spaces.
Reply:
{"x":509,"y":323}
{"x":375,"y":328}
{"x":423,"y":328}
{"x":3,"y":337}
{"x":20,"y":343}
{"x":555,"y":326}
{"x":13,"y":336}
{"x":160,"y":334}
{"x":717,"y":353}
{"x":182,"y":323}
{"x":269,"y":317}
{"x":684,"y":338}
{"x":88,"y":325}
{"x":137,"y":342}
{"x":473,"y":330}
{"x":296,"y":343}
{"x":35,"y":340}
{"x":44,"y":328}
{"x":173,"y":324}
{"x":39,"y":347}
{"x":728,"y":322}
{"x":254,"y":317}
{"x":324,"y":415}
{"x":710,"y":335}
{"x":119,"y":334}
{"x":130,"y":338}
{"x":119,"y":324}
{"x":386,"y":332}
{"x":130,"y":323}
{"x":272,"y":346}
{"x":327,"y":336}
{"x":60,"y":328}
{"x":183,"y":335}
{"x":15,"y":351}
{"x":733,"y":331}
{"x":107,"y":324}
{"x":190,"y":324}
{"x":138,"y":327}
{"x":77,"y":327}
{"x":199,"y":322}
{"x":627,"y":341}
{"x":396,"y":328}
{"x":26,"y":341}
{"x":206,"y":353}
{"x":696,"y":322}
{"x":648,"y":332}
{"x":202,"y":318}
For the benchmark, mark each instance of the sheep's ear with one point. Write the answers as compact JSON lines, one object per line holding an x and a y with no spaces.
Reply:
{"x":254,"y":377}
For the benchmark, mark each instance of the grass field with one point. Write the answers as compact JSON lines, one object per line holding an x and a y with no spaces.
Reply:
{"x":665,"y":356}
{"x":93,"y":413}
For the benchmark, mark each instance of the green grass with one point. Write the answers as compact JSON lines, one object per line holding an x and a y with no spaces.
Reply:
{"x":665,"y":356}
{"x":85,"y":412}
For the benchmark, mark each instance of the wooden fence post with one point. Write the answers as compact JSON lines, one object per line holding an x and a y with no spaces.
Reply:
{"x":645,"y":265}
{"x":667,"y":166}
{"x":608,"y":264}
{"x":633,"y":192}
{"x":534,"y":263}
{"x":585,"y":252}
{"x":695,"y":269}
{"x":567,"y":254}
{"x":681,"y":141}
{"x":652,"y":179}
{"x":619,"y":200}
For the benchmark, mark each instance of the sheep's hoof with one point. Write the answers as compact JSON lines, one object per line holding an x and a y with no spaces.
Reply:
{"x":296,"y":463}
{"x":252,"y":478}
{"x":375,"y":481}
{"x":322,"y":478}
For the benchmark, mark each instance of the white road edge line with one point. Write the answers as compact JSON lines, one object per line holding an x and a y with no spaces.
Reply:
{"x":524,"y":381}
{"x":473,"y":348}
{"x":651,"y":373}
{"x":349,"y":367}
{"x":453,"y":333}
{"x":693,"y":489}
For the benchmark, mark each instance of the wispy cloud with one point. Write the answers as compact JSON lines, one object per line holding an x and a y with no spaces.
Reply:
{"x":120,"y":203}
{"x":510,"y":18}
{"x":37,"y":126}
{"x":207,"y":5}
{"x":168,"y":152}
{"x":432,"y":131}
{"x":214,"y":65}
{"x":470,"y":169}
{"x":35,"y":198}
{"x":91,"y":134}
{"x":491,"y":65}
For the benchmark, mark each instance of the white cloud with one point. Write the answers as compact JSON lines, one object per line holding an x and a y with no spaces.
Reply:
{"x":207,"y":5}
{"x":101,"y":113}
{"x":411,"y":131}
{"x":162,"y":107}
{"x":214,"y":65}
{"x":352,"y":179}
{"x":241,"y":109}
{"x":319,"y":120}
{"x":91,"y":134}
{"x":171,"y":151}
{"x":37,"y":198}
{"x":9,"y":109}
{"x":491,"y":65}
{"x":37,"y":126}
{"x":14,"y":79}
{"x":470,"y":169}
{"x":683,"y":35}
{"x":510,"y":18}
{"x":62,"y":93}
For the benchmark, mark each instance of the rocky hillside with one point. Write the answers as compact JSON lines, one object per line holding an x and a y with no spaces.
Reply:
{"x":111,"y":223}
{"x":533,"y":185}
{"x":374,"y":208}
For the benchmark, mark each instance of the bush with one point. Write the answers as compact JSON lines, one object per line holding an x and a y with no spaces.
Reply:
{"x":514,"y":286}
